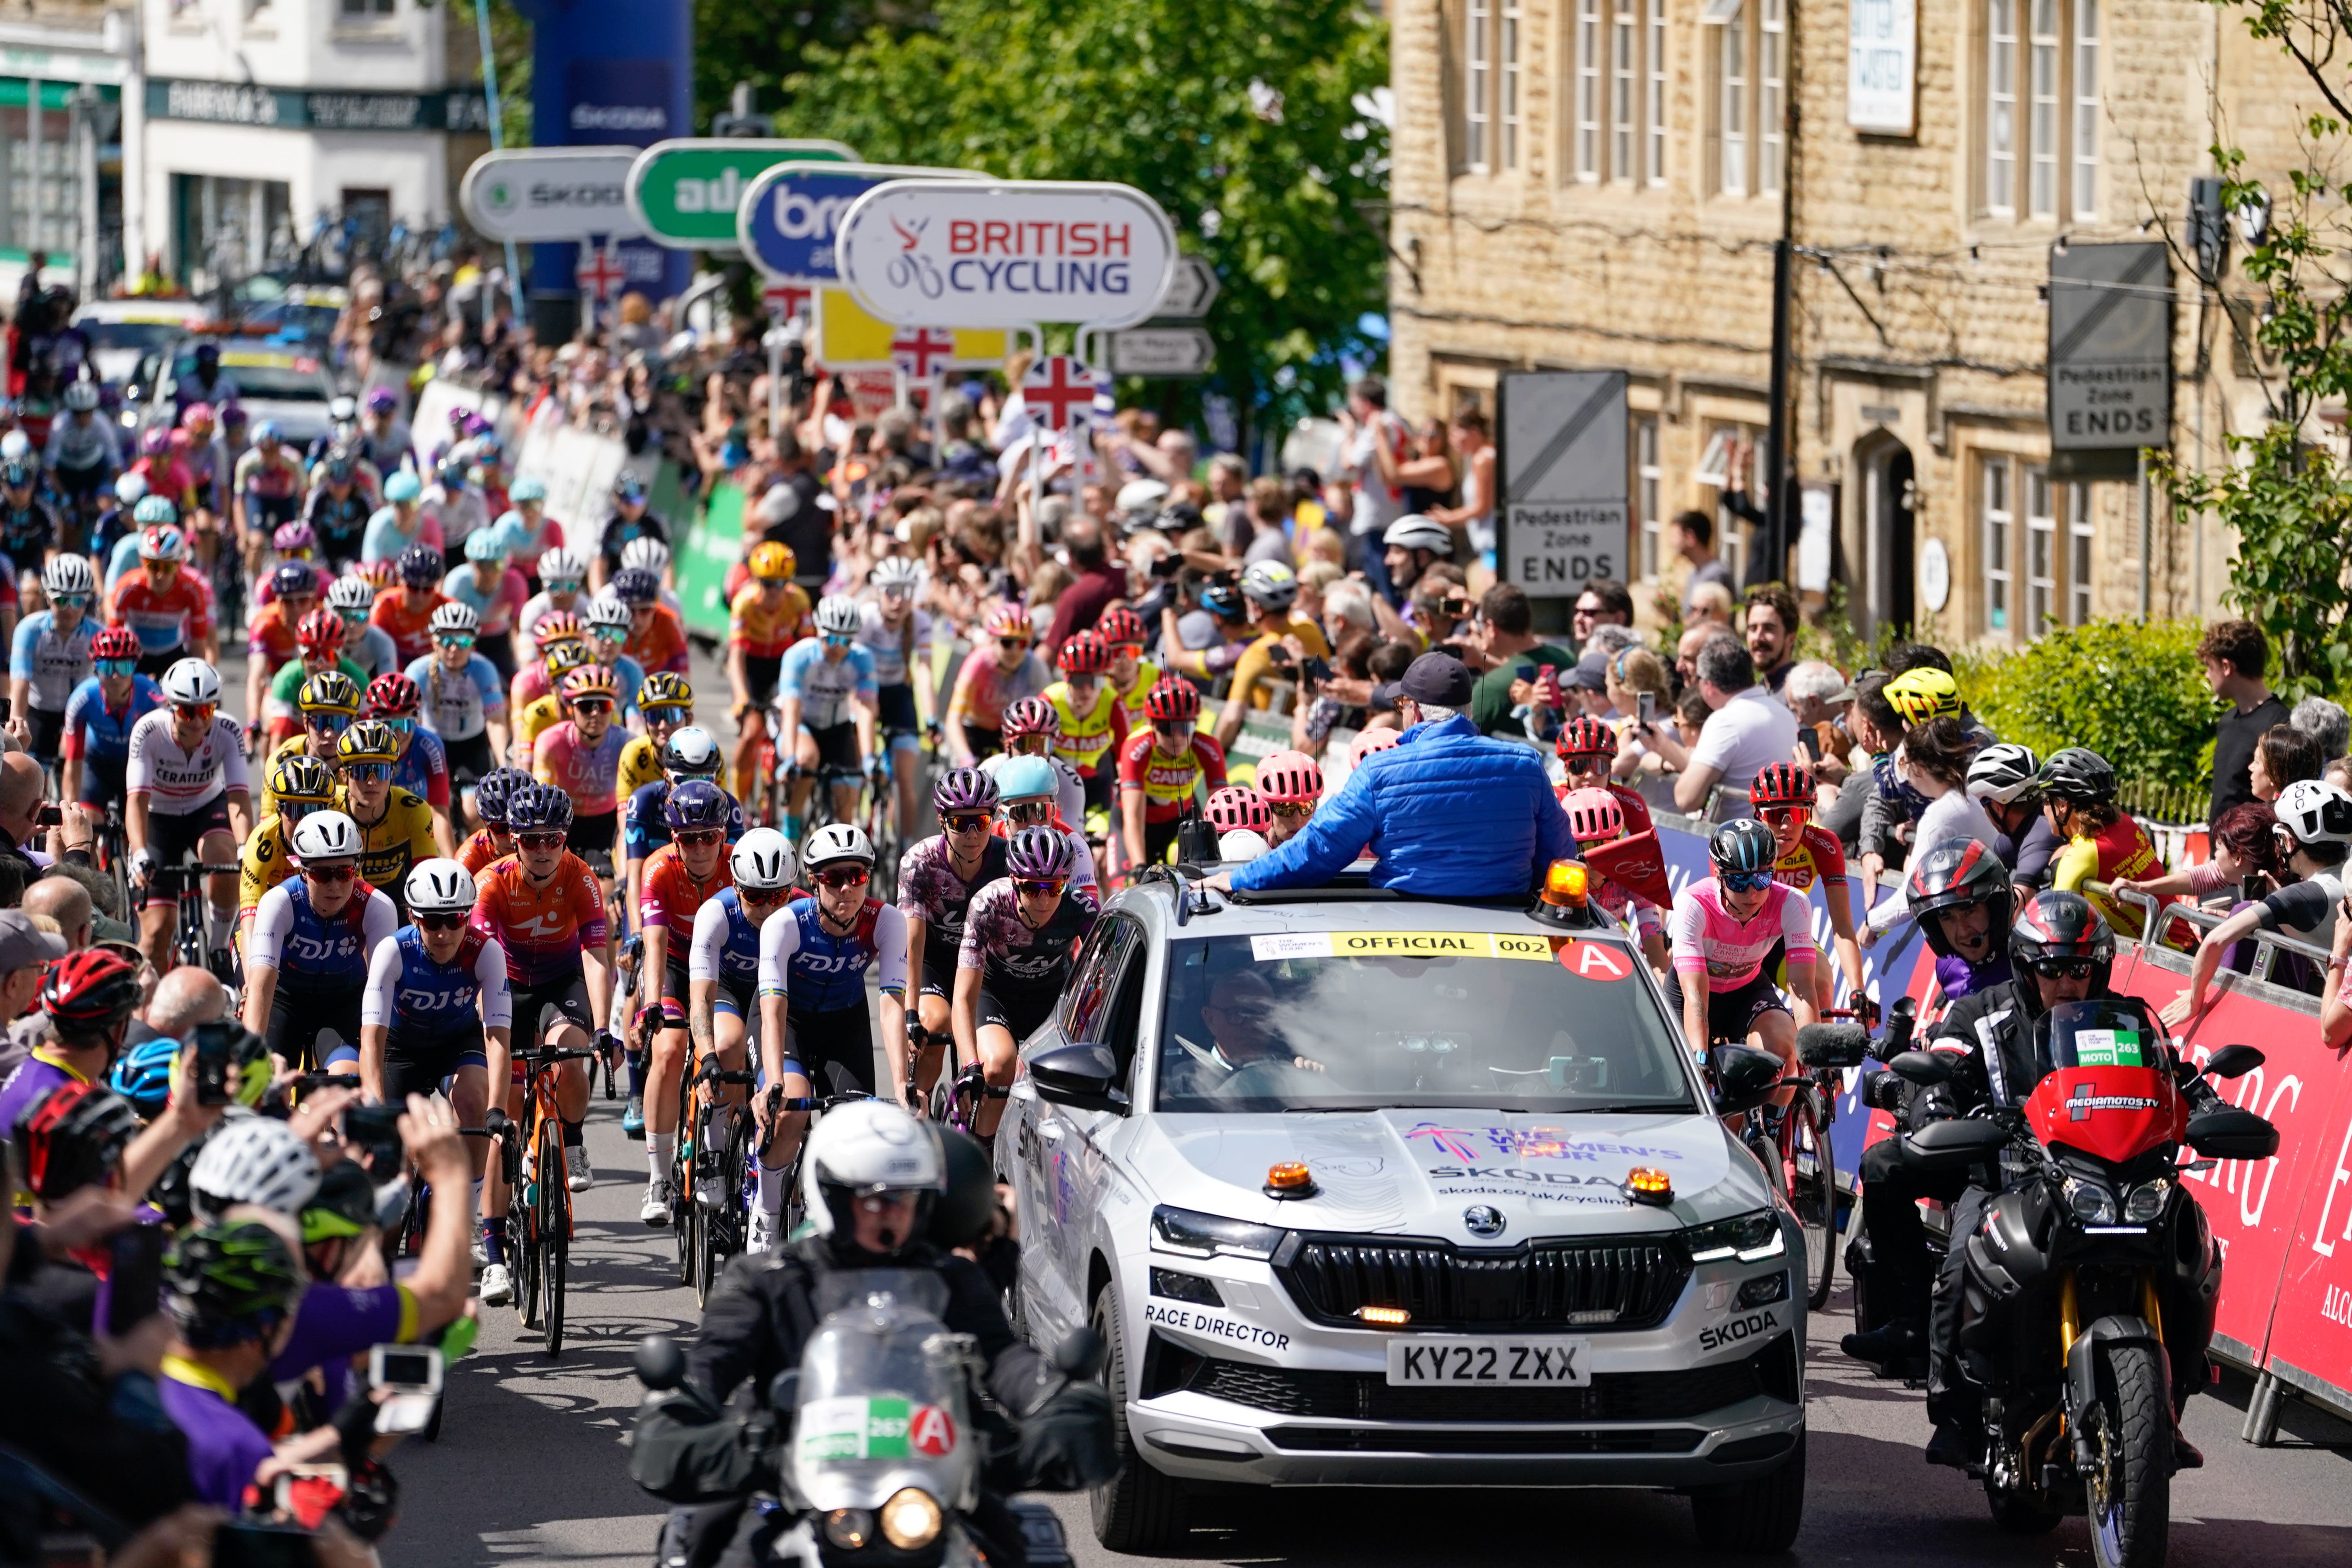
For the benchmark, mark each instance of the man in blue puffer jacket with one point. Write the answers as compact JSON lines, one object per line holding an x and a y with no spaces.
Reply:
{"x":1447,"y":811}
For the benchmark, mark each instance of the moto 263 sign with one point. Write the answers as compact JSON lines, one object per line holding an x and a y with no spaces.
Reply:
{"x":972,"y":253}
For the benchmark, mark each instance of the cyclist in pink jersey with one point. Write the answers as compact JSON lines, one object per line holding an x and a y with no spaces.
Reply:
{"x":582,"y":757}
{"x":1730,"y":929}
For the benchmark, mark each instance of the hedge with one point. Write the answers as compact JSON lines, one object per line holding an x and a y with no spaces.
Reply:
{"x":2132,"y":692}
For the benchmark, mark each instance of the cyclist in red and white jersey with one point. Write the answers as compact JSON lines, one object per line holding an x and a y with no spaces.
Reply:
{"x":1722,"y":930}
{"x":1782,"y":797}
{"x":188,"y":790}
{"x":1587,"y":747}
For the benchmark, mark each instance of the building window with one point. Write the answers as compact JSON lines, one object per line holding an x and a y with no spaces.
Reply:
{"x":1616,"y":91}
{"x":1510,"y":105}
{"x":1747,"y":96}
{"x":1773,"y":60}
{"x":2041,"y":553}
{"x":1624,"y":93}
{"x":1649,"y":485}
{"x":367,"y":7}
{"x":1654,"y":104}
{"x":1731,"y":105}
{"x":2041,"y":109}
{"x":1732,"y":449}
{"x":1477,"y":81}
{"x":2078,"y":560}
{"x":1588,"y":89}
{"x":1492,"y":116}
{"x":1999,"y":521}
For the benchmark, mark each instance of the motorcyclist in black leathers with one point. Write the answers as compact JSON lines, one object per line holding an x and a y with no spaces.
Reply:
{"x":877,"y":1182}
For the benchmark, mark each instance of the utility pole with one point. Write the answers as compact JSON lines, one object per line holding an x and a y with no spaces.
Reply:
{"x":1778,"y":469}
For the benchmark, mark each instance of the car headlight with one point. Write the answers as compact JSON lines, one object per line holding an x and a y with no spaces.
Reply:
{"x":911,"y":1519}
{"x":2092,"y":1203}
{"x":1749,"y":1237}
{"x":1194,"y":1234}
{"x":2146,"y":1201}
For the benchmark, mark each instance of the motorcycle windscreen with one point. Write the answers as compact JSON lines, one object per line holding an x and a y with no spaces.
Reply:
{"x":2106,"y":1087}
{"x":883,"y":1398}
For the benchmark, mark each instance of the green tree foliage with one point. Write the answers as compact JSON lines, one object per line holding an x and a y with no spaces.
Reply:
{"x":767,"y":42}
{"x":2132,"y":692}
{"x":1245,"y":118}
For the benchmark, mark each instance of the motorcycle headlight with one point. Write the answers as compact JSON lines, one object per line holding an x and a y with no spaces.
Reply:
{"x":910,"y":1520}
{"x":2146,"y":1201}
{"x":851,"y":1529}
{"x":1210,"y":1235}
{"x":2092,"y":1203}
{"x":1749,"y":1237}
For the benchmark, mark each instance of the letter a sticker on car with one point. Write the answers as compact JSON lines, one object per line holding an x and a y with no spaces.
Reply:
{"x":1596,"y":961}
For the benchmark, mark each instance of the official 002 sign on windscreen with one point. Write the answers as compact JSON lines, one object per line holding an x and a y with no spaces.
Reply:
{"x":790,"y":212}
{"x":685,"y":192}
{"x":1006,"y":253}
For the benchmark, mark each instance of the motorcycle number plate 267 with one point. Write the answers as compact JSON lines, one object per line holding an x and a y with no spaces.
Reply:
{"x":1489,"y":1363}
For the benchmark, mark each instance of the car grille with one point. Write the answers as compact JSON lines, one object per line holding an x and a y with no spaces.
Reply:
{"x":1674,"y":1395}
{"x":1526,"y":1286}
{"x":1406,"y":1440}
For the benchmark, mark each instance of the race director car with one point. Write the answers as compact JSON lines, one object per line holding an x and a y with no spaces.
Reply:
{"x":1364,"y":1189}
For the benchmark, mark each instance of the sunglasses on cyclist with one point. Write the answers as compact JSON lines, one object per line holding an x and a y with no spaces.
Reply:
{"x":1171,"y":726}
{"x":764,"y":896}
{"x":1029,"y":811}
{"x":587,"y":706}
{"x":767,"y":583}
{"x":1785,"y":815}
{"x":291,"y":812}
{"x":354,"y":617}
{"x":327,"y":723}
{"x":966,"y":821}
{"x":118,"y":666}
{"x":199,"y":711}
{"x":1043,"y":888}
{"x":1744,"y":881}
{"x":70,"y":601}
{"x":836,"y":640}
{"x":1287,"y":809}
{"x":399,"y":726}
{"x":1583,"y":763}
{"x":2063,"y":968}
{"x":452,"y":639}
{"x":329,"y":874}
{"x":1018,"y":645}
{"x":665,"y":713}
{"x":562,"y":585}
{"x":843,"y":877}
{"x":448,"y":923}
{"x":698,"y":837}
{"x":368,"y":772}
{"x":541,"y":840}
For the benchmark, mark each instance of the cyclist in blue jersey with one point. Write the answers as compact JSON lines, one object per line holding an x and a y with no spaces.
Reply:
{"x":96,"y":755}
{"x":307,"y":956}
{"x":827,"y":694}
{"x":689,"y":754}
{"x":464,"y":697}
{"x":813,"y":1021}
{"x":50,"y":656}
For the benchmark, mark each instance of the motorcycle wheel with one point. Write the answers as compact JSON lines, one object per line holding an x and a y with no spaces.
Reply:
{"x":1137,"y":1510}
{"x":1813,"y":1192}
{"x":2019,"y":1513}
{"x":2130,"y":1486}
{"x":1754,"y":1517}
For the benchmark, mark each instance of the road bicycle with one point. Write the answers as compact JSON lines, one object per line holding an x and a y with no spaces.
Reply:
{"x":185,"y":885}
{"x":539,"y":1198}
{"x":956,"y":1094}
{"x":710,"y":1172}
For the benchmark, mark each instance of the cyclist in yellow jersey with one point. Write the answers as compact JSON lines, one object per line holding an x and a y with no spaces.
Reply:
{"x":2103,"y":844}
{"x":301,"y":784}
{"x":330,"y":703}
{"x":1092,"y":725}
{"x":395,"y":826}
{"x":1131,"y":675}
{"x":768,"y":615}
{"x":667,"y":702}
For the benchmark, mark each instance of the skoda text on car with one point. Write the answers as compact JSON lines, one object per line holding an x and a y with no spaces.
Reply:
{"x":1369,"y":1191}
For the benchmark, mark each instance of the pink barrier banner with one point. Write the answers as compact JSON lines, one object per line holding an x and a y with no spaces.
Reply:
{"x":2311,"y":1329}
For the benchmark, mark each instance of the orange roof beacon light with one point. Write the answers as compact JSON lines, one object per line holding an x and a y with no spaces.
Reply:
{"x":1649,"y":1184}
{"x":1290,"y":1179}
{"x":1564,"y":901}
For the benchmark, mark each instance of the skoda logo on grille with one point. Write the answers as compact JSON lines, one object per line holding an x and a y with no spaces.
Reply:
{"x":1483,"y":1220}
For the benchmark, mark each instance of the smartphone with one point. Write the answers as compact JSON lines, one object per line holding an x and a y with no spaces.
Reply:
{"x":374,"y":1131}
{"x":410,"y":1376}
{"x":248,"y":1545}
{"x":1645,"y":705}
{"x":214,"y":1059}
{"x":1807,"y":737}
{"x":134,"y":1277}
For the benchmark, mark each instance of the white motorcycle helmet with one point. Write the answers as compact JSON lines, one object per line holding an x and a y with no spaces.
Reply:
{"x":864,"y":1149}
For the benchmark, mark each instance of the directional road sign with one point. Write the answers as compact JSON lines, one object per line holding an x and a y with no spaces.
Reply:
{"x":1161,"y":350}
{"x":1192,"y":291}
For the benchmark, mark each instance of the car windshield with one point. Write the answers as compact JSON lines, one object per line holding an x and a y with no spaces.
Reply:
{"x":108,"y":336}
{"x":272,"y":374}
{"x":1356,"y":1020}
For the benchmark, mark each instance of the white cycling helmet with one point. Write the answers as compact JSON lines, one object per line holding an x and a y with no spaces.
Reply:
{"x":763,"y":860}
{"x":81,"y":396}
{"x":253,"y":1160}
{"x":561,"y":564}
{"x":129,"y":490}
{"x":838,"y":841}
{"x":645,"y":556}
{"x":898,"y":574}
{"x":2002,"y":772}
{"x":434,"y":887}
{"x":326,"y":835}
{"x":864,"y":1149}
{"x":1141,"y":498}
{"x":15,"y":446}
{"x":690,"y":753}
{"x":191,"y":681}
{"x":836,"y":616}
{"x":454,"y":616}
{"x":344,"y":410}
{"x":2314,"y":813}
{"x":67,"y":575}
{"x":1240,"y":844}
{"x":601,"y":611}
{"x":1270,"y":584}
{"x":350,"y":592}
{"x":1414,"y":531}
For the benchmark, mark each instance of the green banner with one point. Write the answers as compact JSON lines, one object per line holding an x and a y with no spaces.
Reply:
{"x":713,"y":544}
{"x":686,"y":191}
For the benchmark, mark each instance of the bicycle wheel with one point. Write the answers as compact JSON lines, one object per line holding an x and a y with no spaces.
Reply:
{"x":522,"y":1250}
{"x":1811,"y":1183}
{"x":554,"y":1225}
{"x":684,"y":1212}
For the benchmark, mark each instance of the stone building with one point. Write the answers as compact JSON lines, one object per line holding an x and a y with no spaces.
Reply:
{"x":1600,"y":184}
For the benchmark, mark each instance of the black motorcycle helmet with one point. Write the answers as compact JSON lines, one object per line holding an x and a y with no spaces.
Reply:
{"x":1953,"y":876}
{"x":2055,"y":925}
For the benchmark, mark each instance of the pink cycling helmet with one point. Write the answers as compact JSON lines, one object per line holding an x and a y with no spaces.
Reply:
{"x":1372,"y":740}
{"x":1291,"y":777}
{"x":1240,"y":806}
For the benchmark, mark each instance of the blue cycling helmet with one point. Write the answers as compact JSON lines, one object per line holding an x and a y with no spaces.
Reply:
{"x":129,"y":488}
{"x":483,"y":544}
{"x":696,"y":803}
{"x":635,"y":585}
{"x":538,"y":809}
{"x":527,"y":488}
{"x":153,"y":510}
{"x":268,"y":430}
{"x":495,"y":790}
{"x":292,"y":578}
{"x":1022,"y":777}
{"x":420,"y":566}
{"x":142,"y":1074}
{"x":17,"y":475}
{"x":402,"y":486}
{"x":1745,"y":845}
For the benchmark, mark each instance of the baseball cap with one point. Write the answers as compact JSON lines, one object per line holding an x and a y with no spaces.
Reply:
{"x":23,"y":943}
{"x":1438,"y":678}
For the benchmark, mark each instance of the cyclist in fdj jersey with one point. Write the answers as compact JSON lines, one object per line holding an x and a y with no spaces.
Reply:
{"x":899,"y":636}
{"x":1032,"y":729}
{"x":1722,"y":930}
{"x":992,"y":679}
{"x":682,"y":876}
{"x":189,"y":793}
{"x":421,"y":767}
{"x":814,"y":1027}
{"x":167,"y":605}
{"x":769,"y":615}
{"x":543,"y":905}
{"x":297,"y":786}
{"x":1029,"y":795}
{"x":2104,"y":845}
{"x":50,"y":655}
{"x":1093,"y":726}
{"x":825,"y":695}
{"x":396,"y":825}
{"x":722,"y":994}
{"x":1782,"y":797}
{"x":582,"y":756}
{"x":492,"y":842}
{"x":306,"y":958}
{"x":937,"y":878}
{"x":100,"y":717}
{"x":1165,"y":770}
{"x":465,"y":701}
{"x":1019,"y":935}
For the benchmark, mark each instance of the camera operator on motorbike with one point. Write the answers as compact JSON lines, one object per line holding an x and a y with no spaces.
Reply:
{"x":882,"y":1193}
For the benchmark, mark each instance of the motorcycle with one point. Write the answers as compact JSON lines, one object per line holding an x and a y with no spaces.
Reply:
{"x":2088,"y":1287}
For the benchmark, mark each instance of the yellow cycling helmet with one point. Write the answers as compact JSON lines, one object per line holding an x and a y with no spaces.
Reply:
{"x":303,"y":778}
{"x":369,"y":741}
{"x":1923,"y":694}
{"x":664,"y":689}
{"x":330,"y":691}
{"x":774,"y":563}
{"x":564,"y":658}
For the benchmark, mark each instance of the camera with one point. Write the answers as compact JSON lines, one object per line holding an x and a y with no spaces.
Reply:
{"x":410,"y":1376}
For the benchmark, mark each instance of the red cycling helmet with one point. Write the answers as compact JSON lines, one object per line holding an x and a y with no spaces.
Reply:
{"x":85,"y":991}
{"x":1240,"y":806}
{"x":1172,"y":698}
{"x":1585,"y":736}
{"x":393,"y":696}
{"x":319,"y":631}
{"x":1121,"y":627}
{"x":1031,"y":716}
{"x":115,"y":642}
{"x":1594,"y":815}
{"x":1083,"y":654}
{"x":1291,"y":777}
{"x":1781,"y":785}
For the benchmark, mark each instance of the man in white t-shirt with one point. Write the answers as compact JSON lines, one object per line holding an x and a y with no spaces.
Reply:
{"x":1376,"y":502}
{"x":1748,"y":728}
